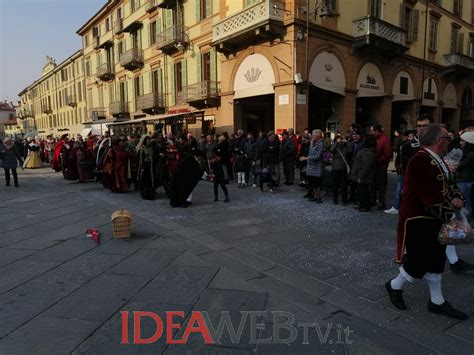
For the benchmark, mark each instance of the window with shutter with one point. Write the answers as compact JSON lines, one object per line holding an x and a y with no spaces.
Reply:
{"x":460,"y":48}
{"x":152,"y":32}
{"x":454,"y":39}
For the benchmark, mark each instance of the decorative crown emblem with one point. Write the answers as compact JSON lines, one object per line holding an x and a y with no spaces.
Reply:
{"x":328,"y":67}
{"x":252,"y":75}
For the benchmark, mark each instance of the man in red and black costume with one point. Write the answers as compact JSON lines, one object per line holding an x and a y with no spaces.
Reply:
{"x":430,"y":198}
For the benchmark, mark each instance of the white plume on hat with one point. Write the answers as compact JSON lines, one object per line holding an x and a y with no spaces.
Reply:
{"x":468,"y":137}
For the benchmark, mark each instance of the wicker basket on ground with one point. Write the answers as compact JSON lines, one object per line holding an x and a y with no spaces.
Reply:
{"x":121,"y":224}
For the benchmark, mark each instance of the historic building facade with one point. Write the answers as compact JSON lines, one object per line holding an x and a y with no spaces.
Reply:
{"x":221,"y":65}
{"x":55,"y":104}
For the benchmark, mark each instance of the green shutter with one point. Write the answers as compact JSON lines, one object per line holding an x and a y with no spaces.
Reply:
{"x":169,"y":18}
{"x":150,"y":82}
{"x":160,"y":80}
{"x":158,"y":25}
{"x":171,"y":82}
{"x":414,"y":28}
{"x":198,"y":68}
{"x":208,"y":8}
{"x":142,"y":87}
{"x":139,"y":34}
{"x":213,"y":65}
{"x":198,"y":11}
{"x":184,"y":73}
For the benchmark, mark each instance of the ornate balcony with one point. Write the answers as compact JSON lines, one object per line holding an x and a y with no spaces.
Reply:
{"x":97,"y":113}
{"x":118,"y":26}
{"x":118,"y":109}
{"x":203,"y":94}
{"x":151,"y":5}
{"x":458,"y":65}
{"x":168,"y":40}
{"x":166,"y":4}
{"x":132,"y":59}
{"x":132,"y":26}
{"x":71,"y":100}
{"x":105,"y":72}
{"x":263,"y":20}
{"x":373,"y":35}
{"x":153,"y":103}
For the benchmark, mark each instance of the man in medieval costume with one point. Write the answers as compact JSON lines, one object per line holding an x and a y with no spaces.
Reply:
{"x":185,"y":177}
{"x":115,"y":167}
{"x":61,"y":155}
{"x":430,"y":198}
{"x":102,"y":149}
{"x":146,"y":177}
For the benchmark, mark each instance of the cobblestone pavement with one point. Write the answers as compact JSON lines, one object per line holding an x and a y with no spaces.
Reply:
{"x":325,"y":264}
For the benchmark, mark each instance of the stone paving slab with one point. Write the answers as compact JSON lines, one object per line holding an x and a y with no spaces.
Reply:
{"x":66,"y":250}
{"x":25,"y":302}
{"x":82,"y":269}
{"x":21,"y":271}
{"x":360,"y":307}
{"x":145,"y":262}
{"x":8,"y":256}
{"x":178,"y":284}
{"x":98,"y":299}
{"x":47,"y":335}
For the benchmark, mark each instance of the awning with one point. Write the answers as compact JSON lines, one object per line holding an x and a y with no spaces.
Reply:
{"x":327,"y":73}
{"x":450,"y":97}
{"x":254,"y":77}
{"x":370,"y":82}
{"x":402,"y":89}
{"x":85,"y":132}
{"x":152,"y":118}
{"x":430,"y":93}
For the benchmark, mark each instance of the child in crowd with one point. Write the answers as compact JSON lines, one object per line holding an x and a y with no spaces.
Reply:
{"x":218,"y":176}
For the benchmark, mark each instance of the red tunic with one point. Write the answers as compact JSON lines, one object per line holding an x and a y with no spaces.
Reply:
{"x":427,"y":196}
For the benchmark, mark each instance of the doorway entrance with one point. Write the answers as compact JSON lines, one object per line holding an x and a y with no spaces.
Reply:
{"x":254,"y":114}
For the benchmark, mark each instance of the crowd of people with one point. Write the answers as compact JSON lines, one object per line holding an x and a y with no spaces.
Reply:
{"x":350,"y":168}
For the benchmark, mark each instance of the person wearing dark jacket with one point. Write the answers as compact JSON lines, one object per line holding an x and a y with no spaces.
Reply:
{"x":363,"y":171}
{"x":10,"y":157}
{"x":465,"y":169}
{"x":271,"y":156}
{"x":287,"y":158}
{"x":253,"y":155}
{"x":340,"y":168}
{"x":222,"y":150}
{"x":217,"y":173}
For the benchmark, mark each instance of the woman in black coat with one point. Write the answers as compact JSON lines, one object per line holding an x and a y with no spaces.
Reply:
{"x":10,"y":157}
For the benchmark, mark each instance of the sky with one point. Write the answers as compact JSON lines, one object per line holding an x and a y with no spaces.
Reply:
{"x":32,"y":29}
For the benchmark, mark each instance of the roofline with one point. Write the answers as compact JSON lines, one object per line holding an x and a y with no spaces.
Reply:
{"x":76,"y":55}
{"x":104,"y":9}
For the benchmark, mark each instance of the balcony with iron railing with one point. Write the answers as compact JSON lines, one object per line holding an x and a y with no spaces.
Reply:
{"x":151,"y":103}
{"x":459,"y":62}
{"x":97,"y":113}
{"x":168,"y":40}
{"x":118,"y":108}
{"x":118,"y":26}
{"x":132,"y":59}
{"x":375,"y":34}
{"x":105,"y":72}
{"x":151,"y":5}
{"x":202,"y":94}
{"x":261,"y":20}
{"x":166,"y":4}
{"x":71,"y":100}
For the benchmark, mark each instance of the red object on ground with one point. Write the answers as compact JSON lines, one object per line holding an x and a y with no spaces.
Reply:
{"x":94,"y":234}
